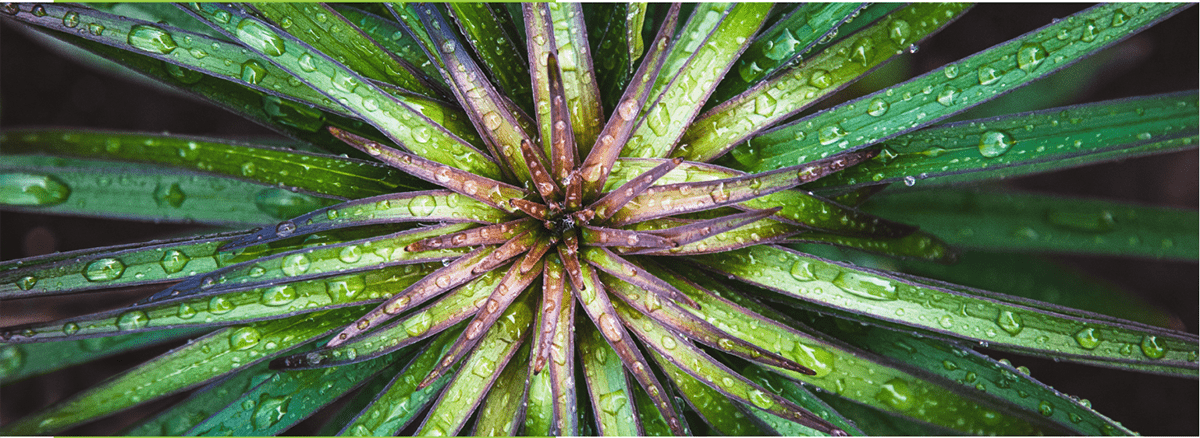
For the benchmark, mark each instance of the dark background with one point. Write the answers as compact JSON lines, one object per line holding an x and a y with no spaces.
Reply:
{"x":40,"y":88}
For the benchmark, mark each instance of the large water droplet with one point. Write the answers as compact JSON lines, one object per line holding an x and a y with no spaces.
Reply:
{"x":70,"y":328}
{"x":612,"y":402}
{"x":133,"y":320}
{"x":71,"y":19}
{"x":270,"y":410}
{"x":1010,"y":322}
{"x":344,"y":81}
{"x":220,"y":305}
{"x":307,"y":63}
{"x":764,"y":105}
{"x":988,"y":75}
{"x":257,"y":36}
{"x":895,"y":393}
{"x":994,"y":144}
{"x":818,"y":359}
{"x":865,"y":286}
{"x":295,"y":264}
{"x":1087,"y":338}
{"x":253,"y":72}
{"x":659,"y":118}
{"x":609,"y":328}
{"x":421,"y":206}
{"x":151,"y":39}
{"x":185,"y":311}
{"x":243,"y":338}
{"x":946,"y":97}
{"x":1151,"y":348}
{"x":31,"y":189}
{"x":105,"y":269}
{"x":278,"y":295}
{"x":877,"y":107}
{"x":831,"y":134}
{"x":174,"y":261}
{"x":282,"y":203}
{"x":820,"y":79}
{"x":350,"y":254}
{"x":1030,"y":56}
{"x":900,"y":32}
{"x":27,"y":282}
{"x":418,"y":324}
{"x":1045,"y":408}
{"x":761,"y":399}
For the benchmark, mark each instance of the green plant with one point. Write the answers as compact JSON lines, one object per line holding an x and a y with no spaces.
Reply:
{"x":725,"y":308}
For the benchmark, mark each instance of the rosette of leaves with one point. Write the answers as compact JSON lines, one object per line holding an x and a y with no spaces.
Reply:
{"x":590,"y":219}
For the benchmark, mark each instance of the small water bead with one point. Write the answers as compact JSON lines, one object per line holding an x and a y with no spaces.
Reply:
{"x":1087,"y":339}
{"x":96,"y":29}
{"x":1119,"y":18}
{"x":895,"y":393}
{"x":185,"y":311}
{"x":169,"y":195}
{"x":865,"y":286}
{"x":70,"y":328}
{"x":951,"y":71}
{"x":350,"y":254}
{"x":946,"y":97}
{"x":1090,"y":31}
{"x":151,"y":39}
{"x":994,"y":143}
{"x":1151,"y":348}
{"x":307,"y":63}
{"x":105,"y":269}
{"x":900,"y":32}
{"x":764,"y":105}
{"x":11,"y":359}
{"x":831,"y":134}
{"x":253,"y":72}
{"x":71,"y":19}
{"x":344,"y":82}
{"x":761,"y":399}
{"x":134,"y":320}
{"x":174,"y":261}
{"x":1045,"y":408}
{"x":26,"y":282}
{"x":820,"y":79}
{"x":422,"y":206}
{"x":32,"y":189}
{"x":418,"y":324}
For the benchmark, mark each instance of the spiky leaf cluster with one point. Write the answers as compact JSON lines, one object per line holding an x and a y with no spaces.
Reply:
{"x":585,"y":219}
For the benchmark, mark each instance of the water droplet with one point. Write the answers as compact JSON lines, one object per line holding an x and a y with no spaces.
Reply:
{"x":174,"y":261}
{"x":668,"y":342}
{"x":278,"y":295}
{"x":171,"y":195}
{"x":183,"y":75}
{"x":259,"y":37}
{"x":134,"y":320}
{"x":220,"y":305}
{"x":628,"y":109}
{"x":344,"y":82}
{"x":1030,"y":56}
{"x":865,"y":286}
{"x":659,"y":118}
{"x":764,"y":105}
{"x":994,"y":144}
{"x":418,"y":324}
{"x":831,"y":134}
{"x":285,"y":228}
{"x":105,"y":269}
{"x":253,"y":72}
{"x":988,"y":75}
{"x":862,"y":51}
{"x":307,"y":63}
{"x":185,"y":311}
{"x":295,"y":264}
{"x":612,"y":402}
{"x":270,"y":411}
{"x":26,"y":282}
{"x":899,"y":31}
{"x":877,"y":107}
{"x":243,"y":338}
{"x":491,"y":120}
{"x":949,"y":366}
{"x":946,"y":97}
{"x":281,"y":203}
{"x":11,"y":359}
{"x":1119,"y":18}
{"x":951,"y":71}
{"x":761,"y":399}
{"x":895,"y":393}
{"x":96,"y":29}
{"x":350,"y":254}
{"x":1087,"y":338}
{"x":421,"y":206}
{"x":946,"y":321}
{"x":609,"y":328}
{"x":1010,"y":322}
{"x":1045,"y":408}
{"x":1090,"y":30}
{"x":31,"y":189}
{"x":484,"y":368}
{"x":151,"y":39}
{"x":71,"y":19}
{"x":1151,"y":348}
{"x":70,"y":328}
{"x":820,"y":79}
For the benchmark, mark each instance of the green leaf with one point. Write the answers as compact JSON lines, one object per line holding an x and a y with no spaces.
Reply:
{"x":400,"y":402}
{"x":1018,"y":144}
{"x":976,"y":371}
{"x":19,"y":361}
{"x":954,"y":87}
{"x":615,"y":35}
{"x":792,"y":90}
{"x":480,"y":370}
{"x":391,"y":36}
{"x":957,"y":312}
{"x":202,"y":360}
{"x":718,"y":411}
{"x":798,"y":394}
{"x":918,"y":245}
{"x":1033,"y":222}
{"x":608,"y":387}
{"x":783,"y":43}
{"x":143,"y":192}
{"x":402,"y":122}
{"x":183,"y":416}
{"x":313,"y":173}
{"x":285,"y":398}
{"x":499,"y":412}
{"x":485,"y":28}
{"x":704,"y":50}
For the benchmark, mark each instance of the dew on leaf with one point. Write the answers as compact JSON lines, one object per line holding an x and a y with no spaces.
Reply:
{"x":32,"y":190}
{"x":244,"y":338}
{"x":151,"y":39}
{"x":994,"y":144}
{"x":106,"y":269}
{"x":133,"y":320}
